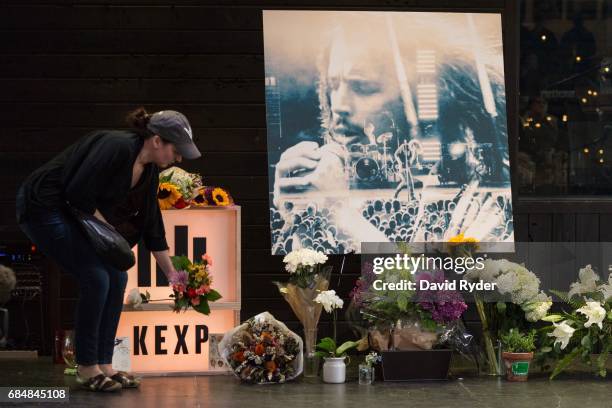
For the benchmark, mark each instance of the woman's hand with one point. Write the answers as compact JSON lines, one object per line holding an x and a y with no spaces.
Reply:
{"x":164,"y":262}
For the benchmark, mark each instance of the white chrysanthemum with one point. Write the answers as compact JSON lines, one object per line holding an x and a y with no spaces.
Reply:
{"x":587,"y":282}
{"x":329,"y":300}
{"x":562,"y":333}
{"x":594,"y":312}
{"x":303,"y":257}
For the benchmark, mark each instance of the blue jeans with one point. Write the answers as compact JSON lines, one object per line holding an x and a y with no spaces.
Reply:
{"x":101,"y":287}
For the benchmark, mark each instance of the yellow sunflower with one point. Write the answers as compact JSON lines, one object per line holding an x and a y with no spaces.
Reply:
{"x":167,"y":195}
{"x":200,"y":200}
{"x":220,"y":196}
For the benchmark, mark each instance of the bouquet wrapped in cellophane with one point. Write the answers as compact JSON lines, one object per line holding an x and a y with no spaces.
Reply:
{"x":308,"y":277}
{"x":263,"y":350}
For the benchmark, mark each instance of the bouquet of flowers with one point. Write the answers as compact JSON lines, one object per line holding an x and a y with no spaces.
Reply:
{"x":584,"y":329}
{"x":191,"y":284}
{"x":308,"y":278}
{"x":263,"y":350}
{"x":211,"y":196}
{"x":403,"y":319}
{"x":177,"y":187}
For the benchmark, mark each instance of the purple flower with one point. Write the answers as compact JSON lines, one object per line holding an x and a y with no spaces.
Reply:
{"x":444,"y":305}
{"x":178,"y":278}
{"x":363,"y":283}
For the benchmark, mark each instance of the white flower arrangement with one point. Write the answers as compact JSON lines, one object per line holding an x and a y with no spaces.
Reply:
{"x":522,"y":285}
{"x":329,"y":300}
{"x":303,"y":257}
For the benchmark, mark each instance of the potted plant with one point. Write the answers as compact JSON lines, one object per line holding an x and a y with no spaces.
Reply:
{"x":518,"y":352}
{"x":334,"y":367}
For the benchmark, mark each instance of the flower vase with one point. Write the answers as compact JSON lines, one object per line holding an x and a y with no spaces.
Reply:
{"x":311,"y":360}
{"x":366,"y":374}
{"x":334,"y":370}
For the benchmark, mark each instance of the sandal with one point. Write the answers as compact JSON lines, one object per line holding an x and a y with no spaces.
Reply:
{"x":126,"y":380}
{"x":99,"y":383}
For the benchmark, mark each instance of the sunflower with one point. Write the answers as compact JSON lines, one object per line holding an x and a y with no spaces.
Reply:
{"x":220,"y":196}
{"x":167,"y":195}
{"x":200,"y":200}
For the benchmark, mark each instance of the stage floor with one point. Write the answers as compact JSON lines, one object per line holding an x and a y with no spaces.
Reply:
{"x":224,"y":391}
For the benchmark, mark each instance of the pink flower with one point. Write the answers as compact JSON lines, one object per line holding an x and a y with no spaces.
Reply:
{"x":208,"y":259}
{"x":202,"y":290}
{"x":179,"y":287}
{"x":195,"y":301}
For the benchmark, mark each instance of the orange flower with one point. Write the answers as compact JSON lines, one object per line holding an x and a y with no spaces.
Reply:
{"x":260,"y":349}
{"x":270,"y":365}
{"x":239,"y":356}
{"x":208,"y":259}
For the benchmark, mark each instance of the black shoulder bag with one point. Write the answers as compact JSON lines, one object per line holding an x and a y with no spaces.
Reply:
{"x":107,"y":242}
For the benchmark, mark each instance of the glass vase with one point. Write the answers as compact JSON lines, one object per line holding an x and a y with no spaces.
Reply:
{"x":366,"y":374}
{"x":311,"y":360}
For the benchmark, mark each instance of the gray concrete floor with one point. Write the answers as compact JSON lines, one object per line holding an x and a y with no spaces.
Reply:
{"x":573,"y":390}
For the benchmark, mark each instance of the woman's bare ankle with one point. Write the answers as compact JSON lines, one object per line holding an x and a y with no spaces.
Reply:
{"x":88,"y":371}
{"x":107,"y":369}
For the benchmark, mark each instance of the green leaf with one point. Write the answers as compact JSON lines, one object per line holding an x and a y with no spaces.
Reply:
{"x":213,"y":295}
{"x":327,"y":344}
{"x":346,"y":346}
{"x":203,"y":307}
{"x":564,"y":297}
{"x":586,"y":342}
{"x":180,"y":263}
{"x":402,"y":302}
{"x":565,"y":361}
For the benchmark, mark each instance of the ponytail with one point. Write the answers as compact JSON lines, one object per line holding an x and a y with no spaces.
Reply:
{"x":137,"y":120}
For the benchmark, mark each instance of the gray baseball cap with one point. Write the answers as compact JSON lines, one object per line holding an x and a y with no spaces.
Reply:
{"x":174,"y":127}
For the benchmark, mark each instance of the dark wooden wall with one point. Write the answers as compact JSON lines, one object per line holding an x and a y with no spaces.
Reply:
{"x":69,"y":67}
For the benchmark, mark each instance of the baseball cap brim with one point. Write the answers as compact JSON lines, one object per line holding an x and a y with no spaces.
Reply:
{"x":188,"y":150}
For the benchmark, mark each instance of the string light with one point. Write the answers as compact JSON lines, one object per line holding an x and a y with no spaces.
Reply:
{"x":543,"y":37}
{"x":600,"y":151}
{"x":606,"y":69}
{"x":601,"y":160}
{"x":538,"y":125}
{"x":590,"y":92}
{"x":584,"y":100}
{"x":586,"y":150}
{"x":564,"y":118}
{"x":549,"y":118}
{"x":578,"y":58}
{"x":594,"y":93}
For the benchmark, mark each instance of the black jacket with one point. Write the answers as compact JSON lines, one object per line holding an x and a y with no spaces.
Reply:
{"x":96,"y":173}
